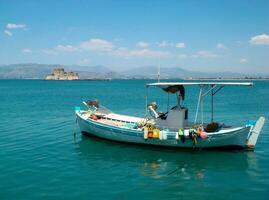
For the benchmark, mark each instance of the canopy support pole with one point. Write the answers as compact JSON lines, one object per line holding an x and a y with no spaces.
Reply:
{"x":202,"y":110}
{"x":146,"y":107}
{"x":212,"y":104}
{"x":198,"y":104}
{"x":217,"y":90}
{"x":168,"y":101}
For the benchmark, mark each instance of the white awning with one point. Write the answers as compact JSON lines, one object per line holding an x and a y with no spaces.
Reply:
{"x":168,"y":84}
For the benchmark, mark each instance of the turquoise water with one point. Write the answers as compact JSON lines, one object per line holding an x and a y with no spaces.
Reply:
{"x":41,"y":159}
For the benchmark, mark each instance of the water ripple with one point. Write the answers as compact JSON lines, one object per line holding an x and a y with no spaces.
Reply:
{"x":41,"y":159}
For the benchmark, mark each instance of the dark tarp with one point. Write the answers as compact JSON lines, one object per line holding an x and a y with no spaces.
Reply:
{"x":175,"y":88}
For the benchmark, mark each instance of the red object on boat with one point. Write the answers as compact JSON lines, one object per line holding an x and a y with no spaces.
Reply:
{"x":203,"y":135}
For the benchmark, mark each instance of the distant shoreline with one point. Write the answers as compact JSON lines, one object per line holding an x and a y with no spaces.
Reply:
{"x":42,"y":79}
{"x":184,"y":79}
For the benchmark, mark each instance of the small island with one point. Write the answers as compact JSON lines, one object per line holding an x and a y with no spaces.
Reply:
{"x":60,"y":74}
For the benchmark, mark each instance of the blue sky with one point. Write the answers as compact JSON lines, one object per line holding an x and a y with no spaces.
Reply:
{"x":196,"y":35}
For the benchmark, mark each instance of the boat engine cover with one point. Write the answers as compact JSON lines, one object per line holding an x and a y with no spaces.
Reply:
{"x":176,"y":118}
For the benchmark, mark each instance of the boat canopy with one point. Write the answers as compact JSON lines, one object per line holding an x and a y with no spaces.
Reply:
{"x":205,"y":89}
{"x":165,"y":85}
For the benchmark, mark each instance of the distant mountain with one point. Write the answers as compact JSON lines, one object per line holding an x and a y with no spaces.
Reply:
{"x":97,"y":69}
{"x":24,"y":71}
{"x":176,"y":72}
{"x":39,"y":71}
{"x":91,"y":72}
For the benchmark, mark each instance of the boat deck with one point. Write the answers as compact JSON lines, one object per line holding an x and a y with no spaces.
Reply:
{"x":129,"y":122}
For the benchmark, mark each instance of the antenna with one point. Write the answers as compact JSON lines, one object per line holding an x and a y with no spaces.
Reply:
{"x":159,"y":70}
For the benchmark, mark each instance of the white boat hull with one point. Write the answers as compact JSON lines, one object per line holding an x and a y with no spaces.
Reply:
{"x":236,"y":137}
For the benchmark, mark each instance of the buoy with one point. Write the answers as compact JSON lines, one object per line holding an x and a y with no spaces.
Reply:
{"x":150,"y":134}
{"x":180,"y":134}
{"x":164,"y":134}
{"x":155,"y":133}
{"x":195,"y":140}
{"x":145,"y":133}
{"x":186,"y":132}
{"x":177,"y":135}
{"x":199,"y":131}
{"x":94,"y":117}
{"x":160,"y":135}
{"x":193,"y":137}
{"x":203,"y":135}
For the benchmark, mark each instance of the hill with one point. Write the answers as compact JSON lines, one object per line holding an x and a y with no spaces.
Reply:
{"x":176,"y":72}
{"x":39,"y":71}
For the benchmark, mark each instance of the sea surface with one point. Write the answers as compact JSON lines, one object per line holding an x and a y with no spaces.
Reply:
{"x":42,"y":158}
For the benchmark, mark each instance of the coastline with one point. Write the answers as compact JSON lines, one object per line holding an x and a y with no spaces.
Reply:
{"x":183,"y":79}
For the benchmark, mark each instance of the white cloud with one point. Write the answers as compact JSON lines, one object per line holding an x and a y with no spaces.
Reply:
{"x":68,"y":48}
{"x":171,"y":44}
{"x":220,"y":46}
{"x":262,"y":39}
{"x":243,"y":60}
{"x":164,"y":44}
{"x":142,"y":44}
{"x":204,"y":54}
{"x":148,"y":53}
{"x":180,"y":45}
{"x":124,"y":52}
{"x":15,"y":26}
{"x":106,"y":47}
{"x":8,"y":33}
{"x":27,"y":51}
{"x":96,"y":44}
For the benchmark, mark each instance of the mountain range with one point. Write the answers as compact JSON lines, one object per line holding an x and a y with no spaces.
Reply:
{"x":39,"y":71}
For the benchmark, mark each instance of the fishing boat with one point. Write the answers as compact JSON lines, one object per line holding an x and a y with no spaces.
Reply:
{"x":172,"y":128}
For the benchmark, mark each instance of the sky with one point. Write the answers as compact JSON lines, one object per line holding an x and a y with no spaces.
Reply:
{"x":208,"y":35}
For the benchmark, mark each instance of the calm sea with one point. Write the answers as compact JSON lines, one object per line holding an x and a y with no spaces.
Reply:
{"x":41,"y":159}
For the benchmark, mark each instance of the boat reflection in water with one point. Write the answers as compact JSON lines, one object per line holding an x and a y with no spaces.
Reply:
{"x":159,"y":163}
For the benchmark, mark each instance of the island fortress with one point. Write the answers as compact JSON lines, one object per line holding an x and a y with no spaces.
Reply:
{"x":60,"y":74}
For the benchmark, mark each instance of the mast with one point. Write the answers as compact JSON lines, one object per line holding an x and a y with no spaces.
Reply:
{"x":159,"y":71}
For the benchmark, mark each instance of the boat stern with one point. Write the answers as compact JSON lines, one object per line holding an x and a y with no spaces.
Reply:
{"x":254,"y":133}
